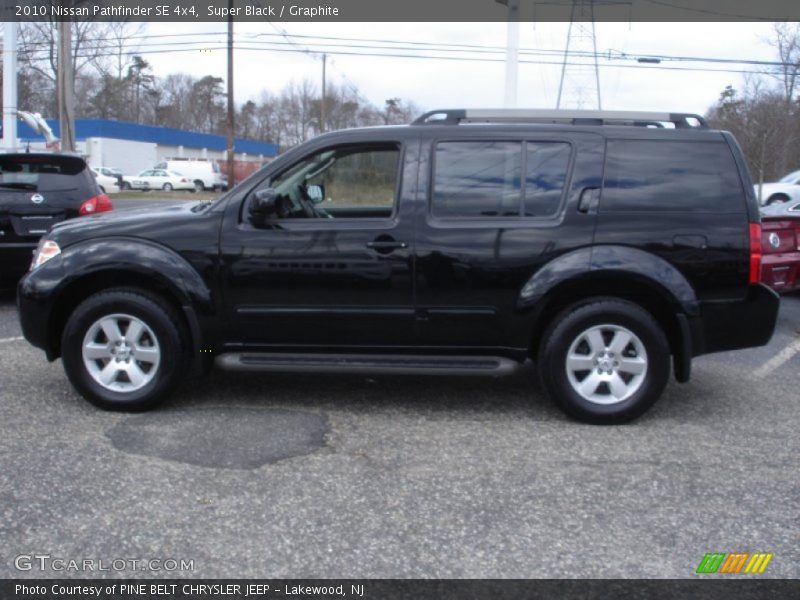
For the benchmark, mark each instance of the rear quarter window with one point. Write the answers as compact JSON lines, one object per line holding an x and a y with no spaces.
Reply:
{"x":671,"y":176}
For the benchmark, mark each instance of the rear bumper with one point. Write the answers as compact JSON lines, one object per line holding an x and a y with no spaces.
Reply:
{"x":16,"y":260}
{"x":732,"y":325}
{"x":781,"y":272}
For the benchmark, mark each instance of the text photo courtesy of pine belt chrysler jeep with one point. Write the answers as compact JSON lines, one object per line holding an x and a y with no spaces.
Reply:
{"x":610,"y":248}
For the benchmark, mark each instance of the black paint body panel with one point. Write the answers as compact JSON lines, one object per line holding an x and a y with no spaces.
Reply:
{"x":455,"y":286}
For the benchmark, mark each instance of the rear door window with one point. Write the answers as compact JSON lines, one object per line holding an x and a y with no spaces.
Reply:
{"x":480,"y":179}
{"x":671,"y":176}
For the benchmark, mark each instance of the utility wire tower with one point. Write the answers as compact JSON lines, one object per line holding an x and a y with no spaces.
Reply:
{"x":580,"y":73}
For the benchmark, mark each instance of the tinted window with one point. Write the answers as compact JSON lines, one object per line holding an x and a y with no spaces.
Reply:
{"x":345,"y":181}
{"x":671,"y":176}
{"x":477,"y":179}
{"x":484,"y":179}
{"x":43,"y":173}
{"x":545,"y":176}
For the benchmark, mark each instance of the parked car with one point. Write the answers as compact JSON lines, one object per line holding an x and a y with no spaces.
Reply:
{"x":107,"y":184}
{"x":786,"y":189}
{"x":158,"y":179}
{"x":440,"y":247}
{"x":205,"y":174}
{"x":780,"y":241}
{"x":36,"y":192}
{"x":114,"y":172}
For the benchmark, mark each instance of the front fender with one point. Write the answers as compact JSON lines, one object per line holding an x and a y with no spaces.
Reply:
{"x":139,"y":256}
{"x":48,"y":293}
{"x":613,"y":261}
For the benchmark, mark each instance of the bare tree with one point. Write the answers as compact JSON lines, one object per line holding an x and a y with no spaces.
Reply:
{"x":786,"y":42}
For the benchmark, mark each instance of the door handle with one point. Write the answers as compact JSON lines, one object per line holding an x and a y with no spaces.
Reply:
{"x":590,"y":197}
{"x":386,"y":245}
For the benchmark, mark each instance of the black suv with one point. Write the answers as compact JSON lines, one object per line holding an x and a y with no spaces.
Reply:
{"x":609,"y":248}
{"x":36,"y":192}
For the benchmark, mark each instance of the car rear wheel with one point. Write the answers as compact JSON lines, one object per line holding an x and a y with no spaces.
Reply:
{"x":124,"y":349}
{"x":605,"y":362}
{"x":167,"y":187}
{"x":777,"y":199}
{"x":199,"y":186}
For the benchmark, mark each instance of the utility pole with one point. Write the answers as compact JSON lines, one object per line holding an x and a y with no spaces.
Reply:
{"x":10,"y":86}
{"x":231,"y":178}
{"x":65,"y":83}
{"x":322,"y":115}
{"x":512,"y":54}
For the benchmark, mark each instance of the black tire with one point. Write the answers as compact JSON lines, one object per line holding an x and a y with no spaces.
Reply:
{"x":567,"y":329}
{"x":125,"y":185}
{"x":167,"y":187}
{"x":199,"y":186}
{"x":158,"y":315}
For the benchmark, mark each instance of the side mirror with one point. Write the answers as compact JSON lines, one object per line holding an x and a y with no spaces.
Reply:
{"x":263,"y":204}
{"x":316,"y":193}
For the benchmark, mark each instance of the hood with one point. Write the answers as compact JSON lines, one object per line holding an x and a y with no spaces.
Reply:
{"x":154,"y":223}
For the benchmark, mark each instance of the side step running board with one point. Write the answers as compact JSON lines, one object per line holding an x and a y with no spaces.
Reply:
{"x":367,"y":363}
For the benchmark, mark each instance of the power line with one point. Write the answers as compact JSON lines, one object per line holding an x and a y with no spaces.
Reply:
{"x":371,"y":44}
{"x":611,"y":65}
{"x":708,"y":12}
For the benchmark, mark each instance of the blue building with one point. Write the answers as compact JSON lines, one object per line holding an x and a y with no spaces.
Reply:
{"x":133,"y":147}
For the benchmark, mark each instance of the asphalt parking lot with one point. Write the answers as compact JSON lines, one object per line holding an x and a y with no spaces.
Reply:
{"x":350,"y":476}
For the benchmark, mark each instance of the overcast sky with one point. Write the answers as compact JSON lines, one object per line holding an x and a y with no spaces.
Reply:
{"x":449,"y":83}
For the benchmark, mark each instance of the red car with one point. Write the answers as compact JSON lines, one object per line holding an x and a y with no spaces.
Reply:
{"x":780,"y":247}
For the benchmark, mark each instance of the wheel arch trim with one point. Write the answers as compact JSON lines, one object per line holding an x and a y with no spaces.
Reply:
{"x":593,"y":263}
{"x":111,"y":258}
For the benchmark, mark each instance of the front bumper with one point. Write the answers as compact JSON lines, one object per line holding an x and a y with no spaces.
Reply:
{"x":35,"y":305}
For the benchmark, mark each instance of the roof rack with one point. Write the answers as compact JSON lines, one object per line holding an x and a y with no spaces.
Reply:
{"x":572,"y":117}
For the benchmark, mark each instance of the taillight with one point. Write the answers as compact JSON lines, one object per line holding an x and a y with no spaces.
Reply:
{"x":755,"y":252}
{"x":98,"y":204}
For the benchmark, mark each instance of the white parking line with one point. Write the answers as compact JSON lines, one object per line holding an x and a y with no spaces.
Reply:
{"x":776,"y":361}
{"x":11,"y":339}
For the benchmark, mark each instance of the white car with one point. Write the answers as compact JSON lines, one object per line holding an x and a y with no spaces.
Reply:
{"x":158,"y":179}
{"x":786,"y":189}
{"x":205,"y":174}
{"x":108,"y":185}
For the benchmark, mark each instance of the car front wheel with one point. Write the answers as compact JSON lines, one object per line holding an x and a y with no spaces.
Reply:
{"x":605,"y":362}
{"x":123,"y":349}
{"x":167,"y":187}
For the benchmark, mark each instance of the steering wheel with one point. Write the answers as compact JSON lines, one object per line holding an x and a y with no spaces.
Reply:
{"x":309,"y":208}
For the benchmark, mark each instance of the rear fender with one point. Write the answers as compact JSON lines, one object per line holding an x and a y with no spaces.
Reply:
{"x":616,"y":261}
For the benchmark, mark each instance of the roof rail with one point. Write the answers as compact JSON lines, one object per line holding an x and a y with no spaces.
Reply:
{"x":572,"y":117}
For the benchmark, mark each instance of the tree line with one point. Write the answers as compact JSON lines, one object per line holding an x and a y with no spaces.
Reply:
{"x":764,"y":112}
{"x":113,"y":81}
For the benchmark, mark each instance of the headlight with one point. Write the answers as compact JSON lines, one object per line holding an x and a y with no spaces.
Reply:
{"x":46,"y":250}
